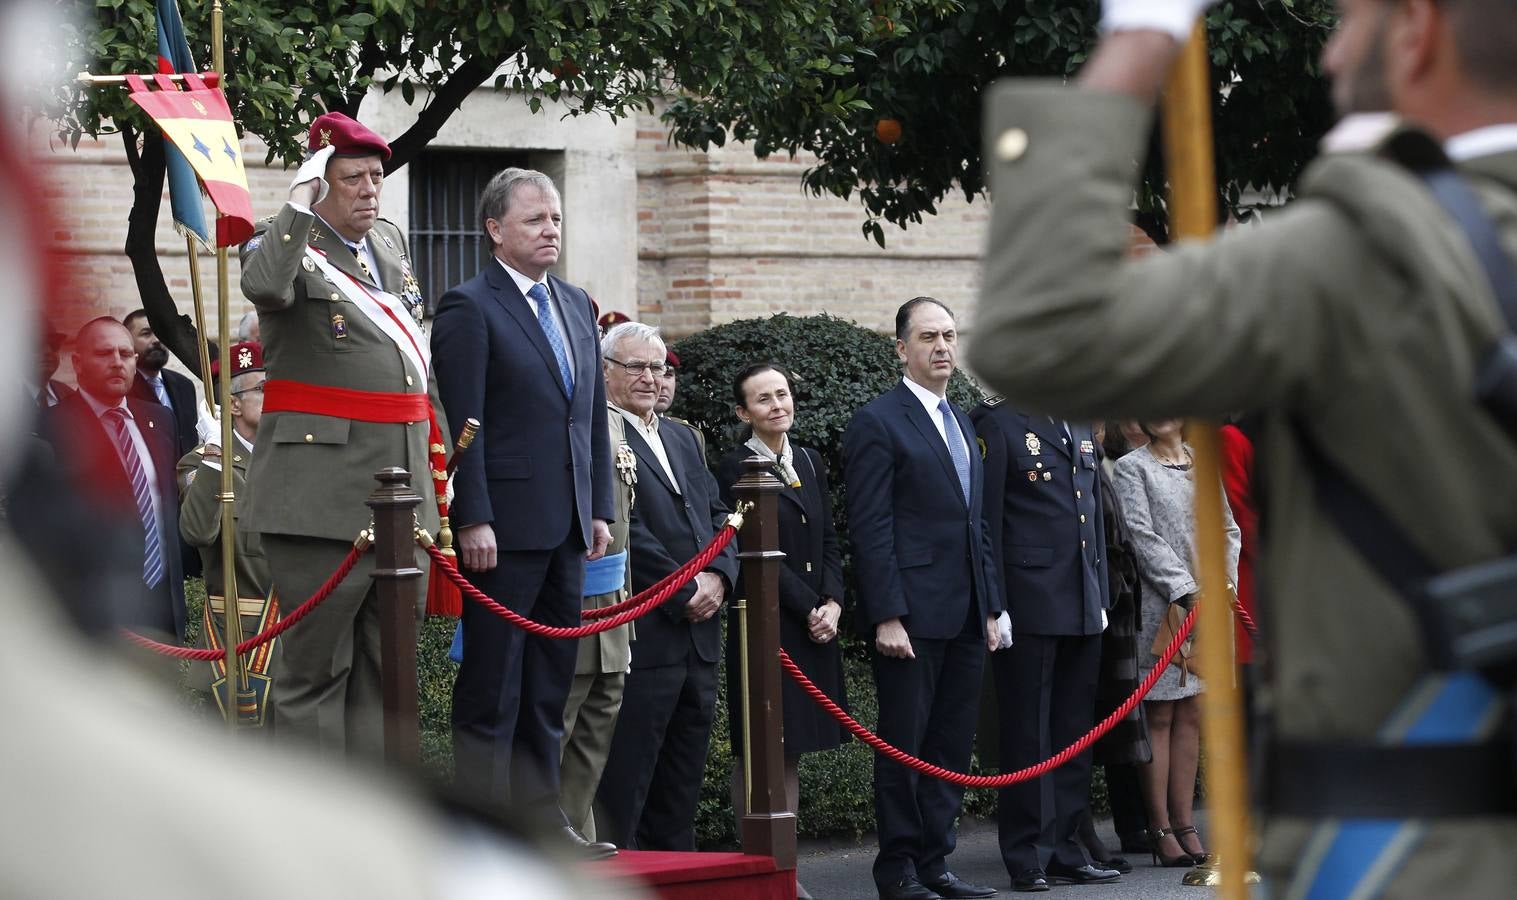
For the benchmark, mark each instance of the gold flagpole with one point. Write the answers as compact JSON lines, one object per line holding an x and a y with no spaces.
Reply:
{"x":1193,"y":214}
{"x":236,"y":675}
{"x":207,"y":385}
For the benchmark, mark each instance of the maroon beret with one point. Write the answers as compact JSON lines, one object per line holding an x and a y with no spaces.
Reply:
{"x":613,"y":318}
{"x":351,"y":138}
{"x":671,"y":359}
{"x":246,"y":357}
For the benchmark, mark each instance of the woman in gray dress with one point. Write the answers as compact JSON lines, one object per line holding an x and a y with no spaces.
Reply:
{"x":1156,"y":487}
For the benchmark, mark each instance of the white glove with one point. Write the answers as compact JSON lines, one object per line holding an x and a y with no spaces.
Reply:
{"x":1003,"y":625}
{"x":1104,"y":620}
{"x":207,"y":426}
{"x":1174,"y":17}
{"x":450,"y":488}
{"x":315,"y":169}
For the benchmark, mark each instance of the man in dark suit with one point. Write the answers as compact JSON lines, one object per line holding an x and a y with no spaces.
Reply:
{"x":1043,"y":508}
{"x":45,"y":391}
{"x":155,"y":384}
{"x":652,"y":781}
{"x":120,"y":452}
{"x":928,"y":596}
{"x":516,"y":348}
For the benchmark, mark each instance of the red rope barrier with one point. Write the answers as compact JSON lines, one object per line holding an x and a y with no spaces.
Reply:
{"x":1008,"y":778}
{"x":681,"y":574}
{"x":1246,"y":619}
{"x":206,"y":654}
{"x":694,"y":566}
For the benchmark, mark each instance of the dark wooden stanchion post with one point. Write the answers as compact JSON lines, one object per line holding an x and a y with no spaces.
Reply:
{"x":768,"y":826}
{"x":398,"y":583}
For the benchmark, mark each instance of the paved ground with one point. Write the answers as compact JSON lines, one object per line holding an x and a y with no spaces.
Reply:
{"x":840,"y":872}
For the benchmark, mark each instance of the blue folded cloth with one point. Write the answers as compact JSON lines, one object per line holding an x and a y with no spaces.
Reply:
{"x":602,"y":576}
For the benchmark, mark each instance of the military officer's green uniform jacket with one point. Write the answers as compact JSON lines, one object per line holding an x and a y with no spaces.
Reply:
{"x":600,"y":669}
{"x":200,"y":526}
{"x":1358,"y":311}
{"x":312,"y":473}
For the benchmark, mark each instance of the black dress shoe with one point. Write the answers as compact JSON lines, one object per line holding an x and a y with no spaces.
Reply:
{"x":907,"y":889}
{"x":951,"y":885}
{"x":1115,"y":863}
{"x":586,"y":849}
{"x":1030,"y":881}
{"x":1058,"y":874}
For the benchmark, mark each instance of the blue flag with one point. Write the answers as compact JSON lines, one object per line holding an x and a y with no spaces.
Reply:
{"x":184,"y":190}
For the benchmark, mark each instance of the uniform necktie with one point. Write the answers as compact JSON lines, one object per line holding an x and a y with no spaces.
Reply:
{"x":152,"y":554}
{"x":955,"y":439}
{"x":555,"y":340}
{"x":362,"y":263}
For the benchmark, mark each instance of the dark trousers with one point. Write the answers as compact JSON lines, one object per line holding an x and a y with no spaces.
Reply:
{"x":1046,"y":690}
{"x":928,"y":709}
{"x":652,"y":781}
{"x":508,"y":699}
{"x":1125,"y":793}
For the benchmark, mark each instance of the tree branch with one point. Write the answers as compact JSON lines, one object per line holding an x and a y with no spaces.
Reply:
{"x":444,"y":102}
{"x":176,"y":331}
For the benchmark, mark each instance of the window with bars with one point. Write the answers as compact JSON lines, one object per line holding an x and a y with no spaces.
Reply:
{"x":447,"y":245}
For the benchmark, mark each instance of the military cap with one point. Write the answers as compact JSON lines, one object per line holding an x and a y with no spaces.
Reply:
{"x":246,"y":357}
{"x":671,"y":359}
{"x":612,"y":319}
{"x":349,"y":137}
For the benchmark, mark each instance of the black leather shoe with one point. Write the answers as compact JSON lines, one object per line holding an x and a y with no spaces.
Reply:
{"x":951,"y":885}
{"x":1030,"y":881}
{"x":1115,"y":863}
{"x":586,"y":849}
{"x":907,"y":889}
{"x":1058,"y":874}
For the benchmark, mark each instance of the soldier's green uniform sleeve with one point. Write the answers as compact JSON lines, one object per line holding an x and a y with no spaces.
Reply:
{"x":1069,"y":324}
{"x":199,"y":510}
{"x":271,"y":258}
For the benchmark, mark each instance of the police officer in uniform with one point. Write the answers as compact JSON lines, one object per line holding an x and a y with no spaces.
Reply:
{"x":200,"y":526}
{"x":350,"y":391}
{"x":1043,"y":509}
{"x":1356,"y":320}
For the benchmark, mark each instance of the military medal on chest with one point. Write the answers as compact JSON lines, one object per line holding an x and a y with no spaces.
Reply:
{"x":1034,"y":446}
{"x":626,"y":465}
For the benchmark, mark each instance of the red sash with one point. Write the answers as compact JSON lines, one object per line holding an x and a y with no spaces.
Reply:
{"x":280,"y":395}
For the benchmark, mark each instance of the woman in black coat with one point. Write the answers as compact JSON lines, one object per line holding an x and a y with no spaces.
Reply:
{"x":811,"y":581}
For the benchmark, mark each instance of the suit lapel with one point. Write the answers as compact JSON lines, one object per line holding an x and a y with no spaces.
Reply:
{"x":338,"y":254}
{"x":1050,"y":432}
{"x":929,"y":431}
{"x":647,"y":460}
{"x":518,"y":307}
{"x":577,"y":326}
{"x":387,"y":256}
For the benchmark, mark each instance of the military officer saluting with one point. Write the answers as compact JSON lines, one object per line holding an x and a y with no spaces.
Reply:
{"x":200,"y":526}
{"x":350,"y":391}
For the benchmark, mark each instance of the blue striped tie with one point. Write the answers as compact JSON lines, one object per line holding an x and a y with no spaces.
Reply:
{"x":152,"y":555}
{"x":956,"y":450}
{"x":555,"y":340}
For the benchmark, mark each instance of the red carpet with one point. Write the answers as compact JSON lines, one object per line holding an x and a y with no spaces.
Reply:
{"x":704,"y":876}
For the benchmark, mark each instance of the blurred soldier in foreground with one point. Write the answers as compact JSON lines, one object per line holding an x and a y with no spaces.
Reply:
{"x":200,"y":526}
{"x":1357,"y":320}
{"x":350,"y":392}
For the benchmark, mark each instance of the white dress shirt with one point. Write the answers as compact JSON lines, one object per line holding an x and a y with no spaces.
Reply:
{"x":143,"y":454}
{"x":649,"y":431}
{"x":1481,"y":142}
{"x":524,"y":284}
{"x":930,"y":403}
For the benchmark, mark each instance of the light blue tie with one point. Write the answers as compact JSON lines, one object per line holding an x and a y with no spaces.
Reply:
{"x":956,"y":449}
{"x":555,"y":340}
{"x":161,"y":391}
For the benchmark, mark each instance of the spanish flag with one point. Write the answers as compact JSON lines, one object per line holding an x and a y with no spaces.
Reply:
{"x":199,"y":122}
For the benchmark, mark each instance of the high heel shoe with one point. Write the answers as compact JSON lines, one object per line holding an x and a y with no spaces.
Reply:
{"x":1181,"y":831}
{"x":1155,"y":835}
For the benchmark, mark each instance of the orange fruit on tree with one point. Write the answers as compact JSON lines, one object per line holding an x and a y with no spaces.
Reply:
{"x":888,"y":130}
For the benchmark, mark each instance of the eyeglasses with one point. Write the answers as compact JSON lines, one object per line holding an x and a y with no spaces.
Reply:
{"x":255,"y":389}
{"x":637,"y":368}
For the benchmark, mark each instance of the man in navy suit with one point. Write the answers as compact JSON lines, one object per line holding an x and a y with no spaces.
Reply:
{"x":516,"y":348}
{"x":928,"y":596}
{"x":652,"y":781}
{"x":119,"y":453}
{"x":1043,"y":507}
{"x":156,"y":384}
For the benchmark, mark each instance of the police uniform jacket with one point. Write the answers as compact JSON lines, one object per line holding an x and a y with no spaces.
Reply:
{"x":1043,"y":508}
{"x":312,"y":473}
{"x":1358,"y":313}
